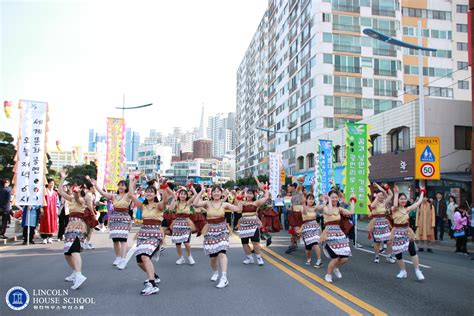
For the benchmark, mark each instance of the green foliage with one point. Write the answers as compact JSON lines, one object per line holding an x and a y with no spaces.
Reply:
{"x":229,"y":184}
{"x":7,"y":155}
{"x":77,"y":174}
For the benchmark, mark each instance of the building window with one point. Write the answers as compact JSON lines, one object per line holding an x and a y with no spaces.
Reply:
{"x":327,"y":79}
{"x":462,"y":65}
{"x":462,"y":46}
{"x":376,"y":141}
{"x":463,"y":84}
{"x":300,"y":163}
{"x":327,"y":37}
{"x":461,"y":8}
{"x":327,"y":58}
{"x":328,"y":100}
{"x":461,"y":28}
{"x":462,"y":137}
{"x":310,"y":160}
{"x":326,"y":17}
{"x":337,"y":153}
{"x":400,"y":139}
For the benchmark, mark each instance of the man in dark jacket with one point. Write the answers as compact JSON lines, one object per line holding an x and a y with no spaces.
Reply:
{"x":441,"y":217}
{"x":5,"y":207}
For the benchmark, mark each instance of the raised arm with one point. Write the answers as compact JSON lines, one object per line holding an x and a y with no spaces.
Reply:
{"x":233,"y":208}
{"x":195,"y":194}
{"x":131,"y":192}
{"x":351,"y":211}
{"x":395,"y":197}
{"x":389,"y":196}
{"x":108,"y":196}
{"x":165,"y":196}
{"x":264,"y":199}
{"x":418,"y":202}
{"x":198,"y":202}
{"x":60,"y":188}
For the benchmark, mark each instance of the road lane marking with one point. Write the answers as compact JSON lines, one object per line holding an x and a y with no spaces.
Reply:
{"x":346,"y":308}
{"x":357,"y":301}
{"x":407,"y":261}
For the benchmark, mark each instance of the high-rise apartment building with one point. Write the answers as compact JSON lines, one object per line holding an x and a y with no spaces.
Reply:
{"x":95,"y":138}
{"x":220,"y":129}
{"x":132,"y":141}
{"x":309,"y":69}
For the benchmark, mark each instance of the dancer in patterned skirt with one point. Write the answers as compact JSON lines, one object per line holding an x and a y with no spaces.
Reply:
{"x":216,"y":232}
{"x":182,"y":227}
{"x":74,"y":235}
{"x":402,"y":236}
{"x":310,"y":230}
{"x":151,"y":233}
{"x":379,"y":226}
{"x":336,"y":243}
{"x":249,"y":224}
{"x":119,"y":221}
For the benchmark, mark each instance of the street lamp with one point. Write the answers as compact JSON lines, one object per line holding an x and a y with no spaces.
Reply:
{"x":123,"y":108}
{"x":390,"y":40}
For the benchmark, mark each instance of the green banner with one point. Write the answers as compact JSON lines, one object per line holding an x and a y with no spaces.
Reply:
{"x":356,"y":166}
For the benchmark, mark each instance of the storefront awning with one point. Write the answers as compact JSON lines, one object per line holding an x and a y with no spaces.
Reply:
{"x":458,"y":176}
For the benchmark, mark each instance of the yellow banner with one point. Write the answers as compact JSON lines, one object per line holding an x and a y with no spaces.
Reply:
{"x":115,"y":153}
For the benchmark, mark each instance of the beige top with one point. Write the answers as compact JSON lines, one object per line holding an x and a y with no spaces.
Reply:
{"x":310,"y":213}
{"x":76,"y":207}
{"x":215,"y":212}
{"x":379,"y":209}
{"x":400,"y":215}
{"x":331,"y":215}
{"x":297,"y":208}
{"x":121,"y":202}
{"x":182,"y":210}
{"x":151,"y":211}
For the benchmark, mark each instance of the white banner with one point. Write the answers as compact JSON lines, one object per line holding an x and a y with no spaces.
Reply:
{"x":30,"y":165}
{"x":101,"y":158}
{"x":274,"y":174}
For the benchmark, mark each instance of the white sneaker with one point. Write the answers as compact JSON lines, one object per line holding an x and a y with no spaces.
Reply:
{"x":86,"y":246}
{"x":122,"y":264}
{"x":50,"y":240}
{"x":157,"y":281}
{"x":260,"y":261}
{"x":248,"y":260}
{"x":376,"y":260}
{"x":214,"y":277}
{"x":328,"y":278}
{"x":318,"y":264}
{"x":71,"y":277}
{"x":308,"y":262}
{"x":402,"y":274}
{"x":180,"y":261}
{"x":150,"y":289}
{"x":45,"y":241}
{"x":419,"y":275}
{"x":117,"y":261}
{"x":223,"y":282}
{"x":390,"y":259}
{"x":90,"y":246}
{"x":191,"y":260}
{"x":78,"y":281}
{"x":337,"y":273}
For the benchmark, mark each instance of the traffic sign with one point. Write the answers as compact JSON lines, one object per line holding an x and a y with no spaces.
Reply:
{"x":427,"y":158}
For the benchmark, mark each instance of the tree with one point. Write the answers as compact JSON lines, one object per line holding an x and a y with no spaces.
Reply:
{"x":77,"y":174}
{"x":229,"y":184}
{"x":7,"y":155}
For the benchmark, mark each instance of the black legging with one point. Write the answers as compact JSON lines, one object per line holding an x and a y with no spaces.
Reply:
{"x":25,"y":233}
{"x":228,"y":218}
{"x":237,"y":217}
{"x":411,"y":250}
{"x":63,"y":221}
{"x":461,"y":244}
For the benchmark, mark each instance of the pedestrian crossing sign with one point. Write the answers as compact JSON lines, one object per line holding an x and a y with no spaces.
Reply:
{"x":427,"y":155}
{"x":427,"y":158}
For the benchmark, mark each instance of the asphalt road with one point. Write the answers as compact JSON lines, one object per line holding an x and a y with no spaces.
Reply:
{"x":283,"y":286}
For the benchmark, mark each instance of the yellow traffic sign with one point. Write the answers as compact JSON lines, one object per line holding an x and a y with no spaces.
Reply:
{"x":427,"y":158}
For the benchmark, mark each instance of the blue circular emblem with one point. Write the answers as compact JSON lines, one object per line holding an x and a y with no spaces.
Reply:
{"x":17,"y":298}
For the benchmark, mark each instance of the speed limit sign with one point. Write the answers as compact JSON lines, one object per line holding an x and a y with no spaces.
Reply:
{"x":427,"y":170}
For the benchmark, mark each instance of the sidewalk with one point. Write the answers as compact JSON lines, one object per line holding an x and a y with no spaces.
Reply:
{"x":10,"y":233}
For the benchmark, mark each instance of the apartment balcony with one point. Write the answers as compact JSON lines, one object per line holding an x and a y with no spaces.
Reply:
{"x":382,"y":12}
{"x":384,"y":72}
{"x":385,"y":52}
{"x":349,"y":69}
{"x":348,"y":111}
{"x":347,"y":48}
{"x":346,"y":89}
{"x":305,"y":137}
{"x":293,"y":142}
{"x":345,"y":8}
{"x":292,"y":124}
{"x":346,"y":28}
{"x":387,"y":93}
{"x":305,"y":117}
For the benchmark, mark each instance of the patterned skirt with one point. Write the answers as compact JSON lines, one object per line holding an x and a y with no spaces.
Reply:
{"x":148,"y":239}
{"x":248,"y":226}
{"x":401,"y":240}
{"x":119,"y":224}
{"x":381,"y":231}
{"x":181,"y":231}
{"x":337,"y":240}
{"x":311,"y":232}
{"x":75,"y":229}
{"x":216,"y":239}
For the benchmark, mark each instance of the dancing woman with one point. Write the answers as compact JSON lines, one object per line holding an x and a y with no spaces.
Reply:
{"x":379,"y":226}
{"x":336,"y":243}
{"x":182,"y":227}
{"x":310,"y":229}
{"x":402,"y":236}
{"x":151,"y":233}
{"x":74,"y":236}
{"x":120,"y":221}
{"x":249,"y":224}
{"x":216,"y":232}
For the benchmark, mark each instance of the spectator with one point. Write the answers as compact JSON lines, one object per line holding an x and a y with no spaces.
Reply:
{"x":63,"y":214}
{"x":5,"y":206}
{"x":450,"y":213}
{"x":49,"y":216}
{"x":425,"y":223}
{"x":441,"y":219}
{"x":29,"y":220}
{"x":278,"y":206}
{"x":459,"y":227}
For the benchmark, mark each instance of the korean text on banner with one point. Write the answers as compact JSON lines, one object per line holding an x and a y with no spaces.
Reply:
{"x":325,"y":165}
{"x":115,"y":153}
{"x":31,"y":155}
{"x":274,"y":174}
{"x":356,"y":171}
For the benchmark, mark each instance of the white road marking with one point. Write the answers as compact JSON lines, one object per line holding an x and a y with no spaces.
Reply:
{"x":407,"y":261}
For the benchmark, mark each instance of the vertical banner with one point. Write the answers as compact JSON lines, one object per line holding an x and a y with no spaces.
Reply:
{"x":30,"y":167}
{"x":356,"y":171}
{"x":115,"y":164}
{"x":325,"y":165}
{"x":101,"y":159}
{"x":274,"y":174}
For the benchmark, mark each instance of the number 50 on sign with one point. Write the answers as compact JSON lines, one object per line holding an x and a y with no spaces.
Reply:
{"x":427,"y":158}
